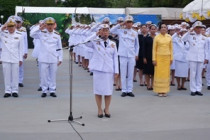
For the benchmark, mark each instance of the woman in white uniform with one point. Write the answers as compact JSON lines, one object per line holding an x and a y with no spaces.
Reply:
{"x":104,"y":64}
{"x":180,"y":51}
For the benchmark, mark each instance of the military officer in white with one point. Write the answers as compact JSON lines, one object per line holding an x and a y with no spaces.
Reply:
{"x":22,"y":29}
{"x":104,"y":64}
{"x":208,"y":65}
{"x":11,"y":57}
{"x":197,"y":56}
{"x":128,"y":51}
{"x":50,"y":55}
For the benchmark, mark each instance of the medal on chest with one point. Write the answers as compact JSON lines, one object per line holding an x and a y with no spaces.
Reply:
{"x":125,"y":32}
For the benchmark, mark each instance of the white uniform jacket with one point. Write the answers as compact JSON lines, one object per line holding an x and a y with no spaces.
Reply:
{"x":128,"y":41}
{"x":12,"y":46}
{"x":104,"y":59}
{"x":25,"y":38}
{"x":198,"y":47}
{"x":51,"y":46}
{"x":180,"y":48}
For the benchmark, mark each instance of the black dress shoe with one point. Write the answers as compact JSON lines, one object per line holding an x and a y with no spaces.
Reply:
{"x":6,"y":95}
{"x":107,"y":115}
{"x":183,"y":88}
{"x":100,"y":115}
{"x":15,"y":95}
{"x":130,"y":94}
{"x":53,"y":94}
{"x":21,"y":85}
{"x":118,"y":89}
{"x":208,"y":87}
{"x":198,"y":93}
{"x":44,"y":95}
{"x":124,"y":94}
{"x":179,"y":88}
{"x":193,"y":94}
{"x":91,"y":73}
{"x":39,"y":89}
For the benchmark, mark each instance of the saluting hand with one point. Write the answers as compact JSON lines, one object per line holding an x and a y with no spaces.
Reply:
{"x":122,"y":23}
{"x":42,"y":26}
{"x":4,"y":27}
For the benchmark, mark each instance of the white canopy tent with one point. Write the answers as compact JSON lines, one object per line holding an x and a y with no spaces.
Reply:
{"x":166,"y":13}
{"x":196,"y":10}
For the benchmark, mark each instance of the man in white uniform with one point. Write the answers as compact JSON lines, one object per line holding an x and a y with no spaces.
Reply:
{"x":11,"y":57}
{"x":128,"y":51}
{"x":197,"y":55}
{"x":50,"y":55}
{"x":208,"y":65}
{"x":22,"y":29}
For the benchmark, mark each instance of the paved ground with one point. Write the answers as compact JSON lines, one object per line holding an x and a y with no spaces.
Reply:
{"x":145,"y":117}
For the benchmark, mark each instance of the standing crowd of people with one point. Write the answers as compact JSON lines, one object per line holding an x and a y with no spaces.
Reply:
{"x":113,"y":53}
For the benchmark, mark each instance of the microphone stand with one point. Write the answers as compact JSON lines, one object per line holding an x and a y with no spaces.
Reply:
{"x":70,"y":119}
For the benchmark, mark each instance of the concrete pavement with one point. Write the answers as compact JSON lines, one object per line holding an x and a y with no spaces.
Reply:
{"x":145,"y":117}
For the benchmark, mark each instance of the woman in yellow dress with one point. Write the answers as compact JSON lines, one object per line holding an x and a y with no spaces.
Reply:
{"x":162,"y":58}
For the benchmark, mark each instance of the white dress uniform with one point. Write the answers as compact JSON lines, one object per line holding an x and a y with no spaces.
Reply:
{"x":25,"y":51}
{"x":12,"y":54}
{"x":104,"y":65}
{"x":180,"y":51}
{"x":128,"y":50}
{"x":208,"y":65}
{"x":49,"y":55}
{"x":196,"y":55}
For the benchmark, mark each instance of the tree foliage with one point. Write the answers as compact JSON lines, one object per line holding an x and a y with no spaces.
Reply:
{"x":7,"y":7}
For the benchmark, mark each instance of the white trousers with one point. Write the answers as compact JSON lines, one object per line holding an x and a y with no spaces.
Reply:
{"x":39,"y":66}
{"x":127,"y":69}
{"x":196,"y":76}
{"x":21,"y":72}
{"x":48,"y":70}
{"x":10,"y":71}
{"x":208,"y":74}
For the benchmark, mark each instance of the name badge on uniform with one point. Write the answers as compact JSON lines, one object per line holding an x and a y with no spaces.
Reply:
{"x":112,"y":45}
{"x":5,"y":36}
{"x":133,"y":35}
{"x":55,"y":37}
{"x":194,"y":38}
{"x":125,"y":32}
{"x":16,"y":38}
{"x":98,"y":43}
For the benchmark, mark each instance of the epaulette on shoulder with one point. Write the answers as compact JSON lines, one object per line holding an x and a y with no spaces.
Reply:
{"x":6,"y":32}
{"x":44,"y":31}
{"x":56,"y":33}
{"x":112,"y":40}
{"x":23,"y":29}
{"x":19,"y":33}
